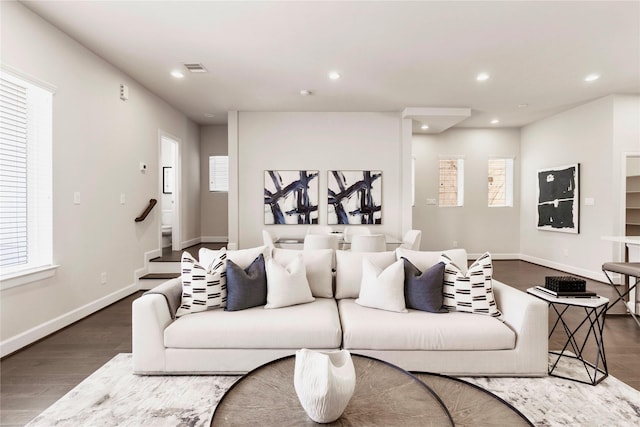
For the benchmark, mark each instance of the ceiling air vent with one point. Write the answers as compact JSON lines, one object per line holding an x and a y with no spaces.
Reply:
{"x":195,"y":68}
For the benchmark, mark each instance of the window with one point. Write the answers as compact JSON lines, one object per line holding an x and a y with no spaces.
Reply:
{"x":500,"y":183}
{"x":218,"y":173}
{"x":451,"y":183}
{"x":25,"y":178}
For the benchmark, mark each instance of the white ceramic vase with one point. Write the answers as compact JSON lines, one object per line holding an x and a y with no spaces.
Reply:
{"x":324,"y":383}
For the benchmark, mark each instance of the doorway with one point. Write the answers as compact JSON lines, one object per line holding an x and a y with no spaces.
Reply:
{"x":632,"y":195}
{"x":169,"y":192}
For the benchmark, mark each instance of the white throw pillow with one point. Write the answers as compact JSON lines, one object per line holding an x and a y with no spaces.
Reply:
{"x":317,"y":263}
{"x":242,"y":257}
{"x":349,"y":270}
{"x":471,"y":292}
{"x":287,"y":285}
{"x":383,"y":289}
{"x":424,"y":260}
{"x":203,"y":287}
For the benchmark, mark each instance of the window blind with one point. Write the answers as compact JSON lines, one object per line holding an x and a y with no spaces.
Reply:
{"x":218,"y":173}
{"x":25,"y":175}
{"x":13,"y":174}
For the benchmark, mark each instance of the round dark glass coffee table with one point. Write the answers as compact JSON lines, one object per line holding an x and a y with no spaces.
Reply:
{"x":385,"y":395}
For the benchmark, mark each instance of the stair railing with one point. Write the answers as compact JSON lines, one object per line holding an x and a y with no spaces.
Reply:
{"x":144,"y":214}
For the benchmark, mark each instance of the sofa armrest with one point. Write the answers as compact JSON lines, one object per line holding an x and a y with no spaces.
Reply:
{"x":150,"y":316}
{"x":528,"y":317}
{"x":172,"y":292}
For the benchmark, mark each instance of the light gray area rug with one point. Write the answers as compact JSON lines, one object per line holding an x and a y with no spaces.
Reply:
{"x":113,"y":396}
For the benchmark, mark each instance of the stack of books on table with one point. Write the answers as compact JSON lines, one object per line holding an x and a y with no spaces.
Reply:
{"x":567,"y":294}
{"x":566,"y":287}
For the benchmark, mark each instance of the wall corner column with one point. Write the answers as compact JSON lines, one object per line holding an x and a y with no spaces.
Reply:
{"x":233,"y":194}
{"x":406,"y":139}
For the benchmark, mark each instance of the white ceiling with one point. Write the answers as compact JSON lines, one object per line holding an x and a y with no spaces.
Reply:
{"x":392,"y":55}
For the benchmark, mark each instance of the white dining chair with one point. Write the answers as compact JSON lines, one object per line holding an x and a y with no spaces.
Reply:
{"x":354,"y":230}
{"x":268,"y":239}
{"x":368,"y":243}
{"x":320,"y":241}
{"x":319,"y":229}
{"x":411,"y":240}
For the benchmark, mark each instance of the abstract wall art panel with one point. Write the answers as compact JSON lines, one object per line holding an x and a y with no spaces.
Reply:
{"x":290,"y":197}
{"x":354,"y":197}
{"x":559,"y":199}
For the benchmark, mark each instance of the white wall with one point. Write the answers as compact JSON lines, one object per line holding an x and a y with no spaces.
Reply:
{"x":591,"y":135}
{"x":474,"y":226}
{"x":98,"y":141}
{"x":312,"y":141}
{"x":214,"y":223}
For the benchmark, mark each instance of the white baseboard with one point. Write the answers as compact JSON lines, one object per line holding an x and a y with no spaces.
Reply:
{"x":215,"y":239}
{"x":191,"y":242}
{"x":32,"y":335}
{"x":504,"y":256}
{"x":594,"y":275}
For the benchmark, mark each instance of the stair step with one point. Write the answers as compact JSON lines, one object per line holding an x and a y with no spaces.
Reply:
{"x":164,"y":267}
{"x":157,"y":276}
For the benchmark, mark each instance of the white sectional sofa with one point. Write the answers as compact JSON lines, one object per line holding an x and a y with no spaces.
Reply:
{"x":231,"y":342}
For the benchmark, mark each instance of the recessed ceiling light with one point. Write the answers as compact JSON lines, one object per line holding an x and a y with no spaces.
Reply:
{"x":495,"y":121}
{"x":482,"y":77}
{"x":424,"y":127}
{"x":306,"y":92}
{"x":523,"y":105}
{"x":209,"y":115}
{"x":177,"y":74}
{"x":334,"y":75}
{"x":592,"y":77}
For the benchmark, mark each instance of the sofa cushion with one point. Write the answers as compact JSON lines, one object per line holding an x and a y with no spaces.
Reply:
{"x":349,"y":270}
{"x":312,"y":325}
{"x":426,"y":259}
{"x":317,"y":263}
{"x":287,"y":284}
{"x":242,"y":257}
{"x":247,"y":287}
{"x":423,"y":289}
{"x":383,"y":289}
{"x":204,"y":287}
{"x":471,"y":292}
{"x":366,"y":328}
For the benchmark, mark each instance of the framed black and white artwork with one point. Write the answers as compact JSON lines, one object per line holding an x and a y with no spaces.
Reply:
{"x":354,"y":197}
{"x":290,"y":197}
{"x":559,"y":199}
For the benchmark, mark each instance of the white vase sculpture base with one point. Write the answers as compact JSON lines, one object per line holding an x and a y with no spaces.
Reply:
{"x":324,"y":383}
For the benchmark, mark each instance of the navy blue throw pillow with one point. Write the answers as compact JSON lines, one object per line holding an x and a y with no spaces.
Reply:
{"x":246,"y":288}
{"x":423,"y":291}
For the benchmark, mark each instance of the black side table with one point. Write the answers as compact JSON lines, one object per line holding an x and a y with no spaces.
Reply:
{"x":594,"y":310}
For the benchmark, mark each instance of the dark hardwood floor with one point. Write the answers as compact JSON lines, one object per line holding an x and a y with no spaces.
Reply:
{"x":35,"y":377}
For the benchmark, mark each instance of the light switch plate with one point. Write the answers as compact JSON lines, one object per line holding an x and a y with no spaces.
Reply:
{"x":76,"y":198}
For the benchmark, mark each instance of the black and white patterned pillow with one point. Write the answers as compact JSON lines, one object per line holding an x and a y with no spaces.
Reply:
{"x":203,"y":287}
{"x":470,"y":293}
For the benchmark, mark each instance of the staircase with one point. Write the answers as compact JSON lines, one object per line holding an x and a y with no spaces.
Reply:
{"x":167,"y":266}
